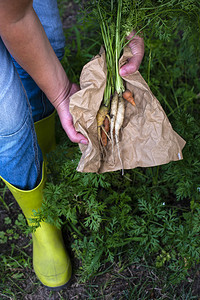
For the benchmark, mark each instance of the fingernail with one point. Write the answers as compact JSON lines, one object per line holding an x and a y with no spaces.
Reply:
{"x":122,"y":72}
{"x":84,"y":142}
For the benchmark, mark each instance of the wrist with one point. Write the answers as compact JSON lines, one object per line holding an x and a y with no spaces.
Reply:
{"x":62,"y":95}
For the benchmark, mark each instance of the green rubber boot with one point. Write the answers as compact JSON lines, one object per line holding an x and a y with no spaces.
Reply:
{"x":50,"y":260}
{"x":45,"y":130}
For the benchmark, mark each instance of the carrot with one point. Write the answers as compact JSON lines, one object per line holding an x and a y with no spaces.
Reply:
{"x":102,"y":113}
{"x":113,"y":113}
{"x":118,"y":124}
{"x":104,"y":131}
{"x":106,"y":124}
{"x":127,"y":95}
{"x":104,"y":139}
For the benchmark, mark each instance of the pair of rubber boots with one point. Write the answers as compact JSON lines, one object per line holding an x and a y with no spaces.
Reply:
{"x":51,"y":262}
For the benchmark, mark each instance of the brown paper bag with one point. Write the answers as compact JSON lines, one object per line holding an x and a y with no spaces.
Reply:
{"x":146,"y":138}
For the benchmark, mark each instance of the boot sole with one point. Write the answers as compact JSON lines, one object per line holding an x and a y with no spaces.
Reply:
{"x":57,"y":288}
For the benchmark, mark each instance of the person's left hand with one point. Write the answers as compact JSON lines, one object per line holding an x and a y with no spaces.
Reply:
{"x":66,"y":117}
{"x":137,"y":49}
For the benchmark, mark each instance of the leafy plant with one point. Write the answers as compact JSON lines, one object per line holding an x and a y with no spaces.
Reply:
{"x":142,"y":214}
{"x":13,"y":231}
{"x":149,"y":214}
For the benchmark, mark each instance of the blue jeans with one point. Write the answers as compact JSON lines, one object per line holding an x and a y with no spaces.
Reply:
{"x":21,"y":104}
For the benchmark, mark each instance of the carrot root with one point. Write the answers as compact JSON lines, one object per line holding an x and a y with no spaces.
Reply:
{"x":127,"y":95}
{"x":104,"y":131}
{"x":101,"y":115}
{"x":118,"y":125}
{"x":109,"y":126}
{"x":104,"y":139}
{"x":113,"y":114}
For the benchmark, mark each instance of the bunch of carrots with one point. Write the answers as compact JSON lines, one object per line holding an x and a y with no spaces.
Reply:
{"x":110,"y":116}
{"x":109,"y":121}
{"x":117,"y":19}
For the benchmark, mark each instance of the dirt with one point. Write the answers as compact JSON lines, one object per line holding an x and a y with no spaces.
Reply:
{"x":70,"y":12}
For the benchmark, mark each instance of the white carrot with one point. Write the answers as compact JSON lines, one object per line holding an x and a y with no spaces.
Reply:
{"x":118,"y":124}
{"x":113,"y":114}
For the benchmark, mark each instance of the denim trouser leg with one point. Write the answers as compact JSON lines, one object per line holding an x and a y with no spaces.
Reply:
{"x":48,"y":13}
{"x":20,"y":155}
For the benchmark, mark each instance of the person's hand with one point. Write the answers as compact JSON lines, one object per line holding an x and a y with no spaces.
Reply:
{"x":66,"y":118}
{"x":137,"y":49}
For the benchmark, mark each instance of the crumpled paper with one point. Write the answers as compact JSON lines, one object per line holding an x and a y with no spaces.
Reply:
{"x":146,"y":138}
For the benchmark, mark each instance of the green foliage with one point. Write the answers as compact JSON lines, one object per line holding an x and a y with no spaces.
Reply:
{"x":151,"y":214}
{"x":13,"y":267}
{"x":160,"y":17}
{"x":13,"y":231}
{"x":14,"y":261}
{"x":3,"y":191}
{"x":81,"y":46}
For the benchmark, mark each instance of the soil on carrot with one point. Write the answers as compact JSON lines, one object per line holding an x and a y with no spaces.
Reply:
{"x":112,"y":283}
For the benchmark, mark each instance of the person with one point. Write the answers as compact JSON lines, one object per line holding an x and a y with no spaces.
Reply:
{"x":33,"y":86}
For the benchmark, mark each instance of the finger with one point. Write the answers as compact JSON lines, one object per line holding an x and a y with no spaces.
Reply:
{"x":75,"y":136}
{"x":75,"y":88}
{"x":131,"y":67}
{"x":137,"y":48}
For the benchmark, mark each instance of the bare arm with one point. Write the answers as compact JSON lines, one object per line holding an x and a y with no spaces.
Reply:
{"x":24,"y":37}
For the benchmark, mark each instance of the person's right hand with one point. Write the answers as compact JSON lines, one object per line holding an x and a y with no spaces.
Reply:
{"x":137,"y":48}
{"x":66,"y":118}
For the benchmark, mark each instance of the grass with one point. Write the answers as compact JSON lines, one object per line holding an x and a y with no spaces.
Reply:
{"x":171,"y":69}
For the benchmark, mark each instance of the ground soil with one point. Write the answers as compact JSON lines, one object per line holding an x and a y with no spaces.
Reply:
{"x":70,"y":10}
